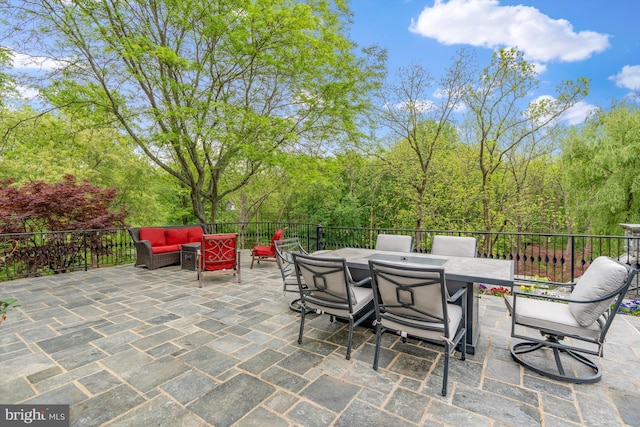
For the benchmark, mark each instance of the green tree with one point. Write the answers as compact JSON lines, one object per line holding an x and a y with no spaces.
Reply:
{"x":422,"y":126}
{"x":48,"y":147}
{"x":603,"y":170}
{"x":204,"y":86}
{"x":501,"y":123}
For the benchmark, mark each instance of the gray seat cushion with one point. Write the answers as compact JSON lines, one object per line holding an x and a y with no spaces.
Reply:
{"x":549,"y":315}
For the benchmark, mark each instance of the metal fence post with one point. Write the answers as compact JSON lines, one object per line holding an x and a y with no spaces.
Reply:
{"x":318,"y":237}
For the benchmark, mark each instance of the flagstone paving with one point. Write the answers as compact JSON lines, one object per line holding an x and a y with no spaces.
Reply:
{"x":125,"y":346}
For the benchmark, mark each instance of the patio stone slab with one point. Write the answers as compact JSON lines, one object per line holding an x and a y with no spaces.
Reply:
{"x":331,"y":393}
{"x":231,"y":400}
{"x":360,"y":414}
{"x":106,"y":406}
{"x":68,"y":340}
{"x":308,"y":415}
{"x":148,"y":347}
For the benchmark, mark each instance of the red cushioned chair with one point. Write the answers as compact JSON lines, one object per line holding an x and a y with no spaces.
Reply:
{"x":267,"y":253}
{"x":219,"y":254}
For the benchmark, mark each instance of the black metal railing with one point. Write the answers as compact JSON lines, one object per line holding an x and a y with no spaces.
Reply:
{"x":556,"y":257}
{"x":38,"y":254}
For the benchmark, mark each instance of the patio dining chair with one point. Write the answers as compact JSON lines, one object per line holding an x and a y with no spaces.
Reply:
{"x":413,"y":301}
{"x":394,"y":242}
{"x":326,"y":287}
{"x":461,"y":246}
{"x":571,"y":328}
{"x":218,"y":255}
{"x":267,"y":253}
{"x":285,"y":249}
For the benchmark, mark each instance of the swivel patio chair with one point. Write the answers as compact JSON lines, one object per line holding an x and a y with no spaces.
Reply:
{"x":267,"y":253}
{"x":218,"y":255}
{"x":413,"y":301}
{"x":326,"y":287}
{"x":571,"y":328}
{"x":394,"y":242}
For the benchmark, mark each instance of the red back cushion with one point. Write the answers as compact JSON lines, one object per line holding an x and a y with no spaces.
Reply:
{"x":277,"y":236}
{"x":219,"y":252}
{"x":177,"y":236}
{"x":195,"y":234}
{"x":154,"y":235}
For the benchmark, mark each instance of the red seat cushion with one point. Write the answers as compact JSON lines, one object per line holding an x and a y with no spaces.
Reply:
{"x":195,"y":234}
{"x":177,"y":236}
{"x":263,"y":251}
{"x":164,"y":249}
{"x":155,"y":236}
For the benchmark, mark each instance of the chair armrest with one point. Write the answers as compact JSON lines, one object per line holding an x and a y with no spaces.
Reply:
{"x":365,"y":281}
{"x":552,"y":298}
{"x":143,"y":245}
{"x":459,"y":293}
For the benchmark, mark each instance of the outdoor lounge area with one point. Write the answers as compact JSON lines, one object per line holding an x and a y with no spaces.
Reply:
{"x":127,"y":346}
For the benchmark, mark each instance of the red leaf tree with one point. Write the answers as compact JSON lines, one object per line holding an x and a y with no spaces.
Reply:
{"x":56,"y":209}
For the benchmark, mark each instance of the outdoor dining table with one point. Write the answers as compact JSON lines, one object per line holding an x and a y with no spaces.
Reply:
{"x":470,"y":271}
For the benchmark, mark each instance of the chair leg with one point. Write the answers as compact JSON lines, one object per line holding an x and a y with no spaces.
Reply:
{"x":302,"y":316}
{"x":350,"y":339}
{"x":252,"y":259}
{"x":445,"y":374}
{"x":376,"y":353}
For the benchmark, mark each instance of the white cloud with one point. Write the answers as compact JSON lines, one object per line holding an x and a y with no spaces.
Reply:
{"x":487,"y":24}
{"x":578,"y":113}
{"x":26,"y":92}
{"x":419,"y":106}
{"x":628,"y":77}
{"x":573,"y":116}
{"x":25,"y":61}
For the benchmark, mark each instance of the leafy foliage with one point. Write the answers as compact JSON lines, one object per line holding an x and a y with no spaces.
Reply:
{"x":603,"y":169}
{"x":57,"y":207}
{"x":68,"y":205}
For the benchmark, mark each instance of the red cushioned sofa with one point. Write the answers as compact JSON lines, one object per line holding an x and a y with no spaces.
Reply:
{"x":161,"y":246}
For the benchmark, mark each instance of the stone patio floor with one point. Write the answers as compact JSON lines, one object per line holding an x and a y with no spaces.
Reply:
{"x":125,"y":346}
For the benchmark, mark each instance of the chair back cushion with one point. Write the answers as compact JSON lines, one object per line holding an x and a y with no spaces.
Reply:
{"x":195,"y":234}
{"x":394,"y":242}
{"x":603,"y":277}
{"x":177,"y":236}
{"x":454,"y":246}
{"x":409,"y":293}
{"x":218,"y":252}
{"x":278,"y":235}
{"x":155,"y":235}
{"x":326,"y":278}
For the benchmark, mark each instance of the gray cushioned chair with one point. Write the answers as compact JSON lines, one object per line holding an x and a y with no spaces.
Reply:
{"x":285,"y":249}
{"x":394,"y":242}
{"x":454,"y":246}
{"x":414,"y":301}
{"x":571,"y":328}
{"x":465,"y":247}
{"x":326,"y":287}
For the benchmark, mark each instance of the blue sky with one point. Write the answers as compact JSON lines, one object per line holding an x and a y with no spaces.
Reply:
{"x":566,"y":39}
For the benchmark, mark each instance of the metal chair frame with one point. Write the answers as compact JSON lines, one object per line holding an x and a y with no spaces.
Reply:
{"x":405,"y":311}
{"x":320,"y":291}
{"x":554,"y":339}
